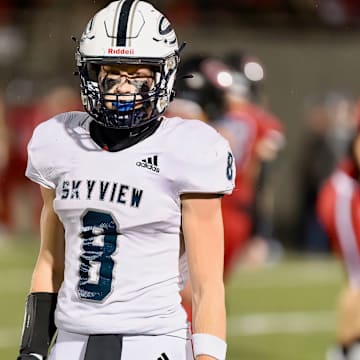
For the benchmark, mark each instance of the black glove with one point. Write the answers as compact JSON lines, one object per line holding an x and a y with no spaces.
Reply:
{"x":39,"y":327}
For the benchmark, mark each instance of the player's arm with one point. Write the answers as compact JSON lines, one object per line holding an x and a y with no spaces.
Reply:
{"x":39,"y":327}
{"x":203,"y":232}
{"x":49,"y":269}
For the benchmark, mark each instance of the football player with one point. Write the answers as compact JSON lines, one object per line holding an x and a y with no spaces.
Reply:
{"x":338,"y":206}
{"x":256,"y":136}
{"x":122,"y":185}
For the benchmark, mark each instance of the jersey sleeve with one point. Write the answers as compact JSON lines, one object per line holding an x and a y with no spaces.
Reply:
{"x":39,"y":164}
{"x":208,"y":167}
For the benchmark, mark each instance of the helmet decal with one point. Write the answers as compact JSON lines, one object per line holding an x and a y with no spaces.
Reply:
{"x":166,"y":32}
{"x":123,"y":23}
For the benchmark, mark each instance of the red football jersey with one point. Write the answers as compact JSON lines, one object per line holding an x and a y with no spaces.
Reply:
{"x":338,"y":208}
{"x":245,"y":127}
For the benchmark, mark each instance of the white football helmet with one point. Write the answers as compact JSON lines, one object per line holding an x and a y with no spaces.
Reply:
{"x":128,"y":32}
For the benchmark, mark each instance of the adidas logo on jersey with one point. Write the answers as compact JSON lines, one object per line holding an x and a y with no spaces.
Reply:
{"x":150,"y":163}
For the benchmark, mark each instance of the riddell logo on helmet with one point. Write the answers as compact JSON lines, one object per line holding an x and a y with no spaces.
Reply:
{"x":112,"y":51}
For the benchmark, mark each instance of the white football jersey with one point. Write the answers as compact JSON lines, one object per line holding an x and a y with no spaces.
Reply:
{"x":122,"y":216}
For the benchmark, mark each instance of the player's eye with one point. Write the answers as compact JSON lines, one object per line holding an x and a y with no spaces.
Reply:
{"x":108,"y":83}
{"x":140,"y":81}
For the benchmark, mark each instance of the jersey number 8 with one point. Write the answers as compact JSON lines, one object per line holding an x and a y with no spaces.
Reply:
{"x":97,"y":257}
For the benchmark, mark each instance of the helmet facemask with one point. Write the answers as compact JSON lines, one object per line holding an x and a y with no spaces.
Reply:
{"x":130,"y":110}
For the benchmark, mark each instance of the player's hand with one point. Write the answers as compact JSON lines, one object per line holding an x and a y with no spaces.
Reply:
{"x":30,"y":357}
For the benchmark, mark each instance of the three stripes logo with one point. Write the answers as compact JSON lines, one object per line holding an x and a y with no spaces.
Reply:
{"x":163,"y":357}
{"x":150,"y":163}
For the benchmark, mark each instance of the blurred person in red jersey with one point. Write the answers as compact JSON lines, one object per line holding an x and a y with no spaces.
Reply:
{"x":338,"y":210}
{"x":21,"y":120}
{"x":256,"y":137}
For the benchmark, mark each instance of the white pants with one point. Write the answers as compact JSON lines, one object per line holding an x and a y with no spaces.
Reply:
{"x":176,"y":346}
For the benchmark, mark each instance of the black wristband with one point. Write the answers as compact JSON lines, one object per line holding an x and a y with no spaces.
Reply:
{"x":27,"y":357}
{"x":39,"y":326}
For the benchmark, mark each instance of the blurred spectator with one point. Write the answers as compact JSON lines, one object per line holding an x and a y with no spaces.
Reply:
{"x":338,"y":208}
{"x":330,"y":123}
{"x":21,"y":121}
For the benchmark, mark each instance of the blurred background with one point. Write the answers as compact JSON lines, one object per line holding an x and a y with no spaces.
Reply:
{"x":281,"y":304}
